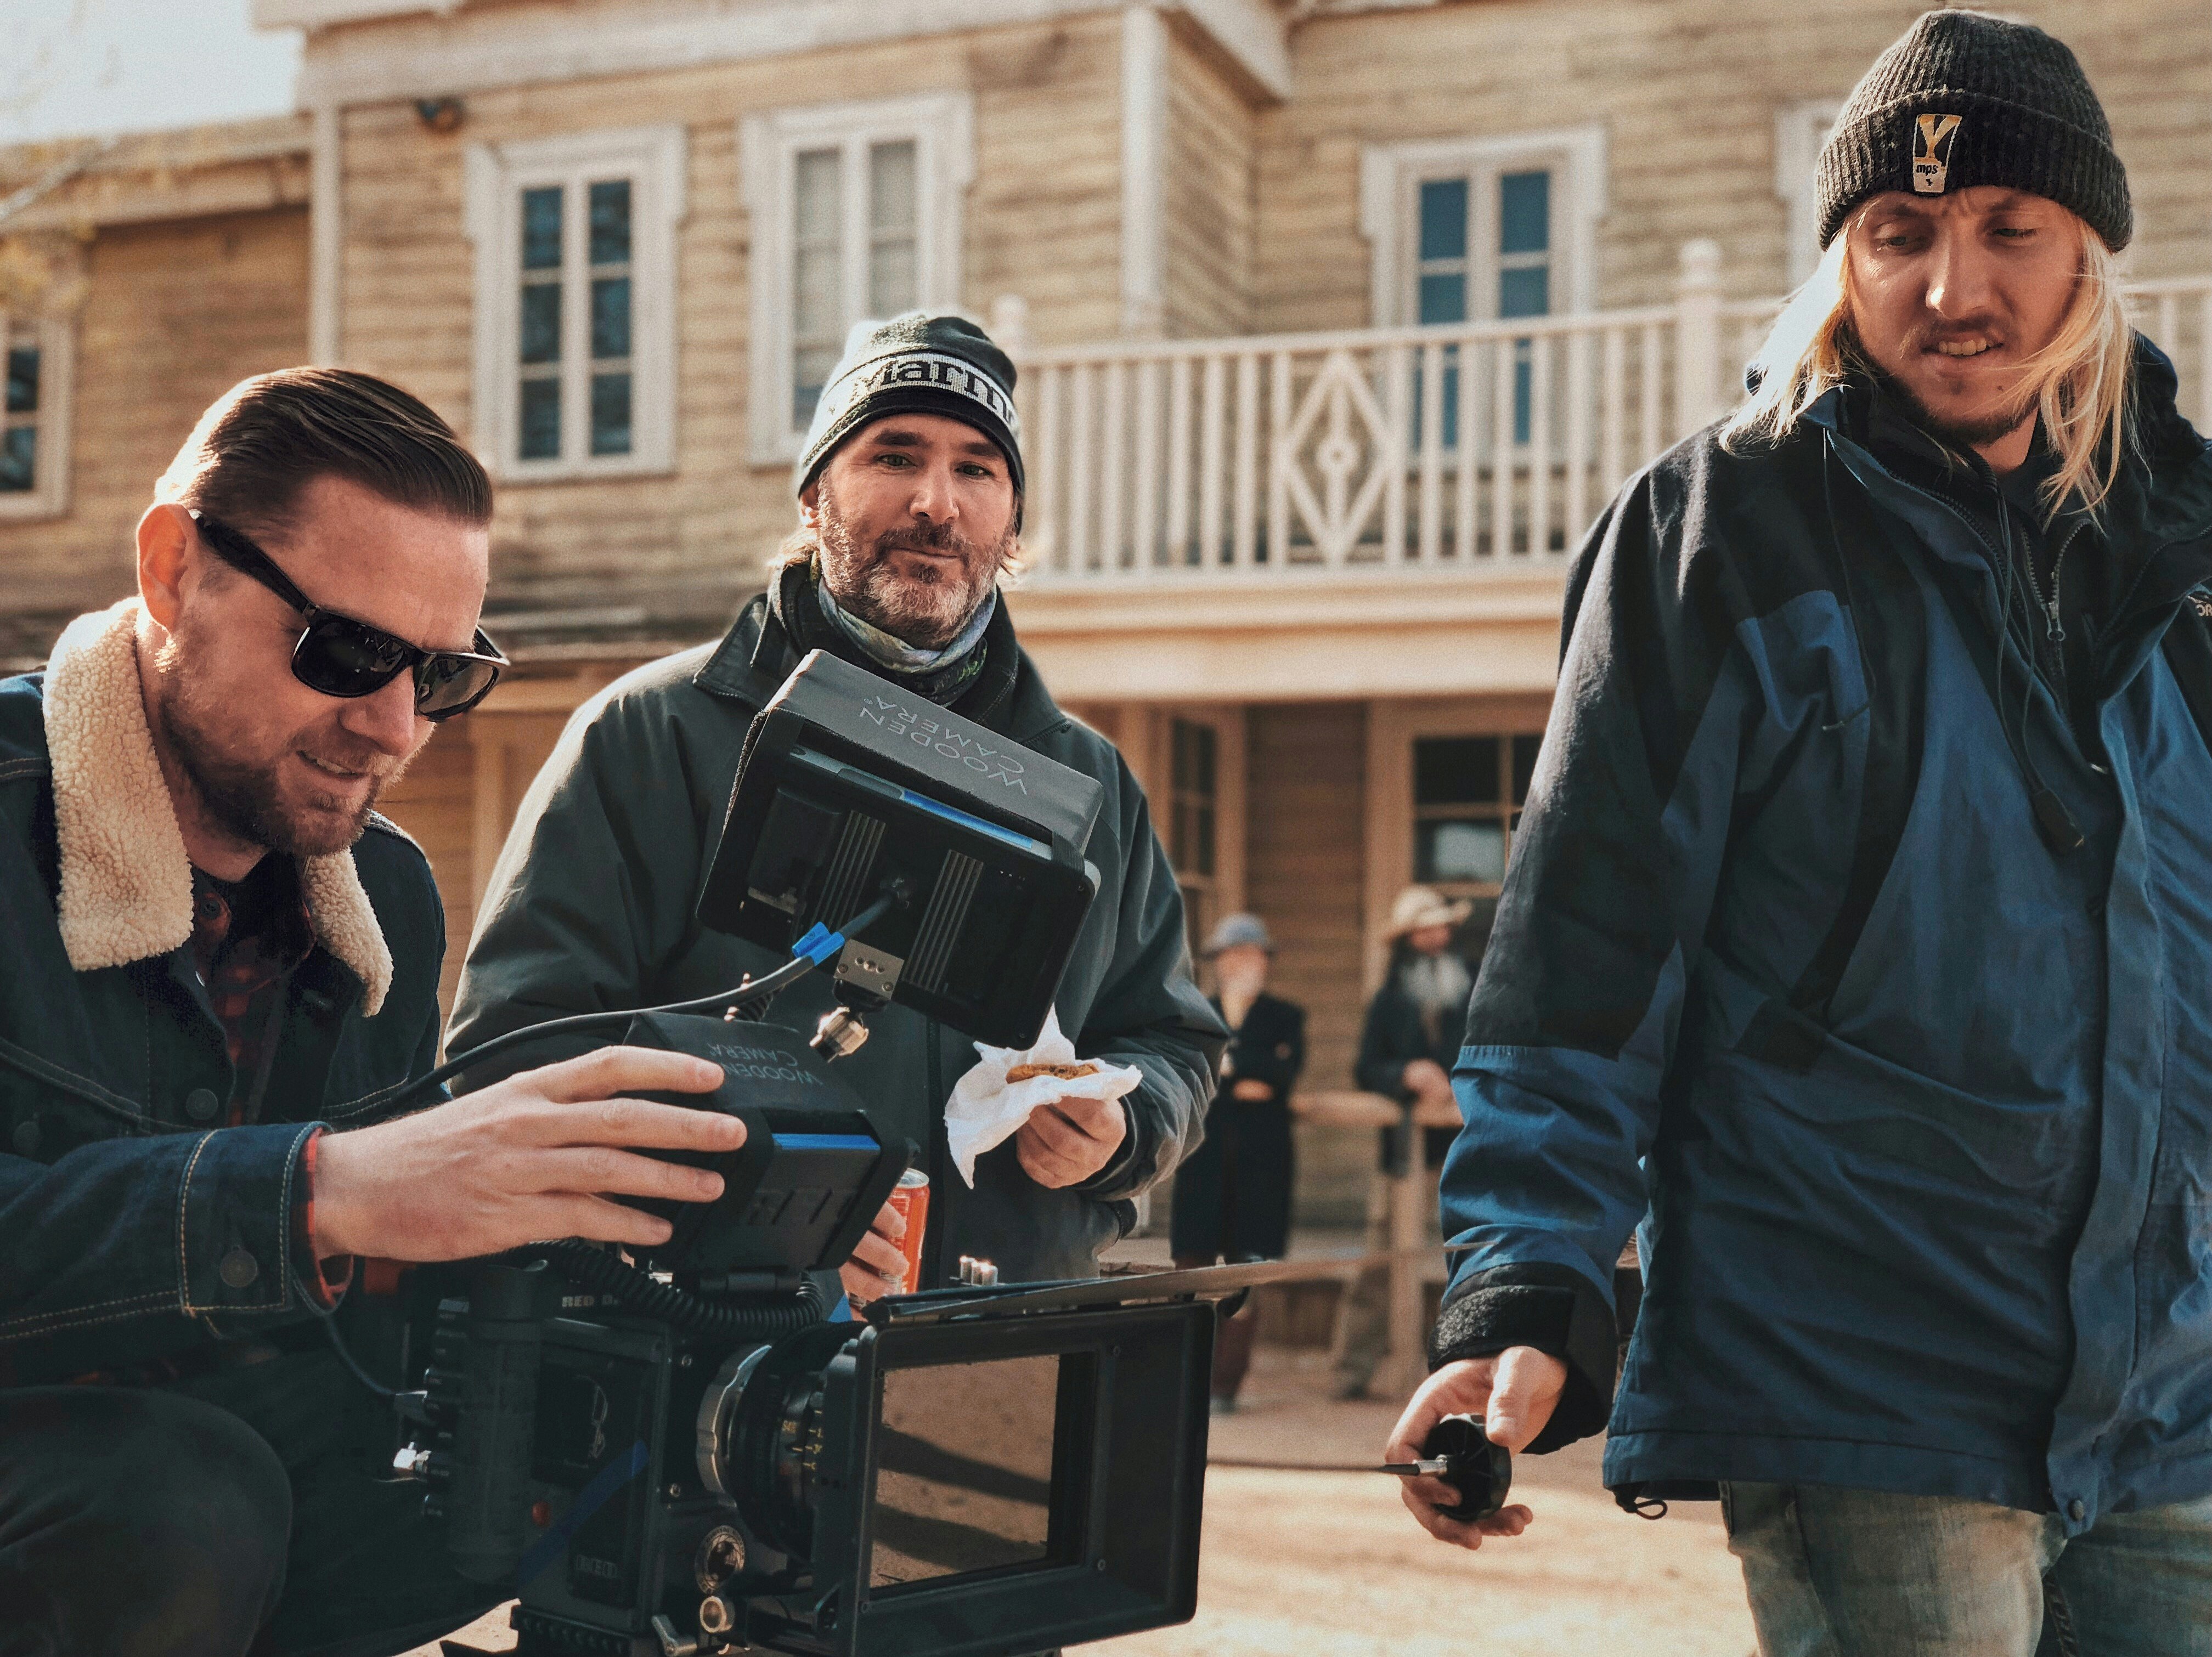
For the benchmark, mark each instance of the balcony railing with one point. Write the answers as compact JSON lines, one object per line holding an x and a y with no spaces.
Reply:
{"x":1479,"y":448}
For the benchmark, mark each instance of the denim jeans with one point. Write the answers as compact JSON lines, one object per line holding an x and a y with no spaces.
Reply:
{"x":1844,"y":1573}
{"x":236,"y":1511}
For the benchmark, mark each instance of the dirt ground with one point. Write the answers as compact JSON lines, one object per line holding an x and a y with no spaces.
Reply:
{"x":1330,"y":1563}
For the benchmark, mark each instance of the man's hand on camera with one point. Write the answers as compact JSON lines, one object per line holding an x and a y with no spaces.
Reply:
{"x":878,"y":1267}
{"x":1512,"y":1394}
{"x":536,"y":1157}
{"x":1066,"y":1141}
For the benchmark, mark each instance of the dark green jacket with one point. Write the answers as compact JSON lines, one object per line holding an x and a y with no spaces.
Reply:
{"x":590,"y":907}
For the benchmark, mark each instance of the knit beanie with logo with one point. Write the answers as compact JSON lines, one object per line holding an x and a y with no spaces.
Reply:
{"x":917,"y":363}
{"x":1966,"y":99}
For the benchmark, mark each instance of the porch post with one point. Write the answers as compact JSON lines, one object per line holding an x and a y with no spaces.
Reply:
{"x":326,"y":230}
{"x":1697,"y":394}
{"x":1407,"y":1366}
{"x":1144,"y":166}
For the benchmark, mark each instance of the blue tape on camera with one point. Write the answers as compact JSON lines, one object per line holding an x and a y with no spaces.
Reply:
{"x":589,"y":1500}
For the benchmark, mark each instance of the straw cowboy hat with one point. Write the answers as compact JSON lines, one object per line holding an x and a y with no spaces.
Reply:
{"x":1418,"y":907}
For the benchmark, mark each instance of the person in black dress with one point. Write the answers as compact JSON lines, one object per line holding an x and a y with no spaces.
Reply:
{"x":1232,"y":1197}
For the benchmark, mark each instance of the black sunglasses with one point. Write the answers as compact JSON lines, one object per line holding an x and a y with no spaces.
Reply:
{"x":341,"y":657}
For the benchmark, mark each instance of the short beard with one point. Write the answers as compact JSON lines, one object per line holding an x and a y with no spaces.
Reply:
{"x":928,"y":610}
{"x":246,"y":799}
{"x":1960,"y":435}
{"x":1963,"y":435}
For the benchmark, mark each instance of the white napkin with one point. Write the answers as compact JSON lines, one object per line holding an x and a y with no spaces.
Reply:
{"x":986,"y":1109}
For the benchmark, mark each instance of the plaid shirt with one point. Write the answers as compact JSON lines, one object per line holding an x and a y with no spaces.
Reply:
{"x":248,"y":936}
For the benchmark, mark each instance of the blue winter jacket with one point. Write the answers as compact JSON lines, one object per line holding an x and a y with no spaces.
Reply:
{"x":1799,"y":952}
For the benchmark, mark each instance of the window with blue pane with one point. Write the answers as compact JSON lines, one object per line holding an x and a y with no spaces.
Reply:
{"x":610,"y":254}
{"x":1524,"y":272}
{"x":1441,"y":289}
{"x":545,"y":210}
{"x":19,"y":417}
{"x":575,"y":322}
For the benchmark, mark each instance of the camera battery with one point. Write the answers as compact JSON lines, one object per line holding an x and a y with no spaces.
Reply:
{"x":800,"y":1193}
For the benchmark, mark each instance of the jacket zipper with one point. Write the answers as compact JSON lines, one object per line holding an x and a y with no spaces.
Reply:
{"x":2004,"y":627}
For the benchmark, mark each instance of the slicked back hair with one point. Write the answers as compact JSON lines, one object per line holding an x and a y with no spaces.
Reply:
{"x":266,"y":439}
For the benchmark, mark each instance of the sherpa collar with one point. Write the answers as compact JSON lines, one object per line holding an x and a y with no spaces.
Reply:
{"x":126,"y":882}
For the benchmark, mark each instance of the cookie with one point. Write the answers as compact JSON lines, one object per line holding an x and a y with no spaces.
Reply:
{"x":1064,"y":1072}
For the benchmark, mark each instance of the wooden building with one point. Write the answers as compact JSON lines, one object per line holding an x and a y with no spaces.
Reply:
{"x":1337,"y":321}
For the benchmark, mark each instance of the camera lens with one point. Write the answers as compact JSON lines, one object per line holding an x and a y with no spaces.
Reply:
{"x":771,"y":1440}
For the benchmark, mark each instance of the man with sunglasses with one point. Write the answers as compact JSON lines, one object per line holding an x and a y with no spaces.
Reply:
{"x":221,"y":965}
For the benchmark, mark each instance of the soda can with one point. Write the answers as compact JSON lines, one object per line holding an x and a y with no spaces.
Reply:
{"x":911,"y":1199}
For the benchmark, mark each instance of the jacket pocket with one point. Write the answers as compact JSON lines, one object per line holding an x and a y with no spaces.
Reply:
{"x":47,"y":1110}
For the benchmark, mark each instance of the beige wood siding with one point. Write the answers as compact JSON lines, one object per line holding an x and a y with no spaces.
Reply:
{"x":1304,"y":855}
{"x":435,"y":803}
{"x":174,"y":314}
{"x":1688,"y":93}
{"x":1209,"y":195}
{"x":1042,"y":221}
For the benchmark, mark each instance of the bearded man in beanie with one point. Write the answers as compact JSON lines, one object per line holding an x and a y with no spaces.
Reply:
{"x":1857,"y":930}
{"x":909,"y":506}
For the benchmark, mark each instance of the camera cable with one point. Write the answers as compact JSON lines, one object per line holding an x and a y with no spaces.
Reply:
{"x":818,"y":945}
{"x":594,"y":1267}
{"x":761,"y":1317}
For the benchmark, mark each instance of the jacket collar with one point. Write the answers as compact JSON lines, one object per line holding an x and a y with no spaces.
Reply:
{"x":757,"y":656}
{"x":2164,"y":491}
{"x":2156,"y":522}
{"x":126,"y":883}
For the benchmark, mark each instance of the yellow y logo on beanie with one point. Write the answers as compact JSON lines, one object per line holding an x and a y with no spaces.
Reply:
{"x":1932,"y":138}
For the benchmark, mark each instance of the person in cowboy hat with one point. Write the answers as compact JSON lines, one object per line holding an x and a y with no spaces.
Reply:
{"x":1405,"y":1053}
{"x":1232,"y":1196}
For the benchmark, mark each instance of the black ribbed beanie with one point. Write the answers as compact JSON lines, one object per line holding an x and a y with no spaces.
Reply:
{"x":1966,"y":99}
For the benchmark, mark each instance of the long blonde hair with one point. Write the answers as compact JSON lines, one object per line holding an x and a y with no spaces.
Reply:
{"x":2082,"y":385}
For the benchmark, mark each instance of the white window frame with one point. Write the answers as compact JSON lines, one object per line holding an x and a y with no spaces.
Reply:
{"x":652,"y":159}
{"x":941,"y":125}
{"x":1391,"y":177}
{"x":1799,"y":130}
{"x":56,"y":338}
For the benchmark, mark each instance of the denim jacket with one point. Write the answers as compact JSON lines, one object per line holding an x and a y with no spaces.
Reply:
{"x":131,"y":1229}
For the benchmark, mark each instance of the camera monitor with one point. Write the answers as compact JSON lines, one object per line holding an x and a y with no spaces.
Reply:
{"x":851,"y":789}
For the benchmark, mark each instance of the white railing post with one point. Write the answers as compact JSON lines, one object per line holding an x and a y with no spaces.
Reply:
{"x":1698,"y":397}
{"x":1010,"y":323}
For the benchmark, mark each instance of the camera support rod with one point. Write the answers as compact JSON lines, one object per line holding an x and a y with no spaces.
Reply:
{"x":1209,"y":1283}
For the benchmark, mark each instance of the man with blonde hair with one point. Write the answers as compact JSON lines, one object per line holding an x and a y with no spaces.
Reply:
{"x":1858,"y":928}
